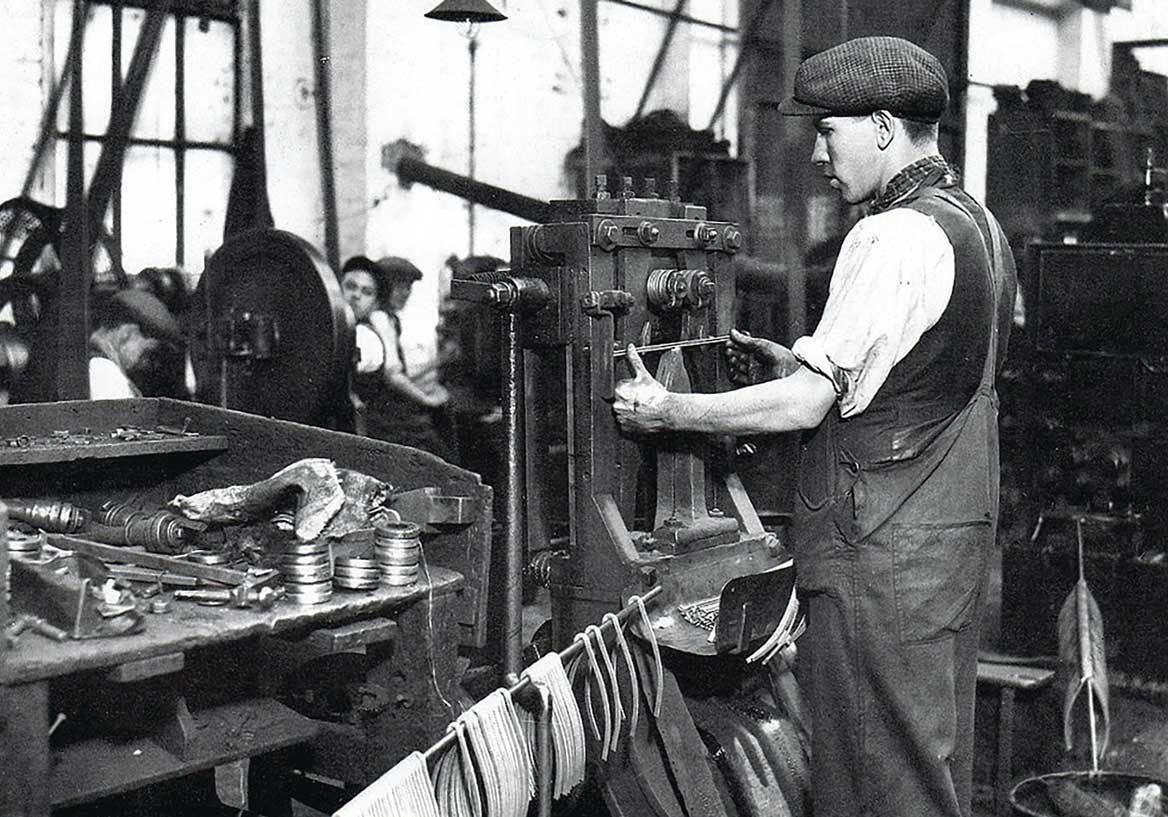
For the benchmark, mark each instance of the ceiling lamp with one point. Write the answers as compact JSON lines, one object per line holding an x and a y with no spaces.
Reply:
{"x":466,"y":11}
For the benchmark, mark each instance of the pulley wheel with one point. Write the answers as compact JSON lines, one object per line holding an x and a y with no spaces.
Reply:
{"x":270,"y":332}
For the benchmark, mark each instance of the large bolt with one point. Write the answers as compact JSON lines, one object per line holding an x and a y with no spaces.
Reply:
{"x":601,"y":186}
{"x":607,"y":234}
{"x":648,"y":232}
{"x":733,"y":239}
{"x":705,"y":233}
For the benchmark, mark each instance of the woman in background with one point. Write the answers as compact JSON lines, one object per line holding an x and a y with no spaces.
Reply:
{"x":397,"y":408}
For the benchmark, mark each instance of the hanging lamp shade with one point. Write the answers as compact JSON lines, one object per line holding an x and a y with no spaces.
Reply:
{"x":466,"y":11}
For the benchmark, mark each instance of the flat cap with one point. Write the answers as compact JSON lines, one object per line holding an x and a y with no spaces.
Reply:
{"x":151,"y":315}
{"x":870,"y":74}
{"x":392,"y":267}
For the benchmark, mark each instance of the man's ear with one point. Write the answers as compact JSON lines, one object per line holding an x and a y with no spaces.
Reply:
{"x":885,"y":124}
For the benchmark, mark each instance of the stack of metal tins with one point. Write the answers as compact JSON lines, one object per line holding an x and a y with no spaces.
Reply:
{"x":356,"y":572}
{"x":25,"y":543}
{"x":397,"y":548}
{"x":307,"y":570}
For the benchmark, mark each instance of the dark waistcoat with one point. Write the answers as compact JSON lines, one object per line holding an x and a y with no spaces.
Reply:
{"x":925,"y":449}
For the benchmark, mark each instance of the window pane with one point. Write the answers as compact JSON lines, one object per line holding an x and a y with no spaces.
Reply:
{"x":156,"y":108}
{"x":148,"y":214}
{"x":96,"y":66}
{"x":104,"y":263}
{"x":92,"y":152}
{"x":208,"y":181}
{"x":209,"y":81}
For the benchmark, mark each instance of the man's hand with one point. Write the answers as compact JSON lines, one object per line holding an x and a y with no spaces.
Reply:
{"x":640,"y":404}
{"x":435,"y":395}
{"x":756,"y":360}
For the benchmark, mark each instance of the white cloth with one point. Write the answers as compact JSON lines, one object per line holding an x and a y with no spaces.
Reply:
{"x":370,"y":349}
{"x":891,"y":283}
{"x":388,"y":328}
{"x":403,"y":791}
{"x":108,"y":382}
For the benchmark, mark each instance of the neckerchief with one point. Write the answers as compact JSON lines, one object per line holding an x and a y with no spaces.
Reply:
{"x":928,"y":171}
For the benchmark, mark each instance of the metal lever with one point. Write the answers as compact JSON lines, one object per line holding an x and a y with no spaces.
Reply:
{"x":676,"y":344}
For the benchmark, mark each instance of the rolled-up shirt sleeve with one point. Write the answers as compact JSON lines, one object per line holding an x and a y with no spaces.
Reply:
{"x":891,"y":284}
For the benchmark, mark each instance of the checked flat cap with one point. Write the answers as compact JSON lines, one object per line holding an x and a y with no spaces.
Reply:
{"x":870,"y":74}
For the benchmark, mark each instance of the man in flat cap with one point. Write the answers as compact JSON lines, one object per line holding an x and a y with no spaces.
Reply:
{"x":135,"y":349}
{"x":898,"y":487}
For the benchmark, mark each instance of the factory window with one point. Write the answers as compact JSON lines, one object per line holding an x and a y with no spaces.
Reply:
{"x":169,"y":203}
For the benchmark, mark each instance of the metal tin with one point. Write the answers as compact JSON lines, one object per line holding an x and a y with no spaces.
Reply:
{"x":396,"y":531}
{"x":398,"y":576}
{"x":356,"y":584}
{"x":307,"y":575}
{"x":398,"y":581}
{"x":397,"y":559}
{"x":363,"y":562}
{"x":25,"y":543}
{"x":313,"y":559}
{"x":356,"y":572}
{"x":397,"y":570}
{"x":307,"y":588}
{"x":306,"y":548}
{"x":207,"y":557}
{"x":309,"y":594}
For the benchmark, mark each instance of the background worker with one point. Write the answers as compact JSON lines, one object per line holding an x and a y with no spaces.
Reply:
{"x":897,"y":507}
{"x":136,"y":348}
{"x":396,"y":407}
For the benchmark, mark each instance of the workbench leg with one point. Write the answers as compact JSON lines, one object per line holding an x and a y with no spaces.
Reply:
{"x":1005,"y":756}
{"x":268,"y":784}
{"x":414,"y":673}
{"x":24,"y":750}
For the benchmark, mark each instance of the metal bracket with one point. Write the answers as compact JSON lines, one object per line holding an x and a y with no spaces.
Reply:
{"x":428,"y":507}
{"x":602,"y":303}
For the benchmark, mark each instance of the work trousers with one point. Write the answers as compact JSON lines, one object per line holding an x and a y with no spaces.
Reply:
{"x":889,"y":660}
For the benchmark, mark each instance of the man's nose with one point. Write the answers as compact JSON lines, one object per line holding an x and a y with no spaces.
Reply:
{"x":819,"y":152}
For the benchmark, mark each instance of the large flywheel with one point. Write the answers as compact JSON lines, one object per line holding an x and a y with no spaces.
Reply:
{"x":270,"y":332}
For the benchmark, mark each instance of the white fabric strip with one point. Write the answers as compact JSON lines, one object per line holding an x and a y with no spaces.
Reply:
{"x":634,"y":690}
{"x":567,"y":725}
{"x":403,"y":791}
{"x":651,"y":637}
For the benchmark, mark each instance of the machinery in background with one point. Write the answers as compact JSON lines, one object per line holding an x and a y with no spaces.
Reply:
{"x":603,"y":516}
{"x":270,"y":333}
{"x":1094,"y":355}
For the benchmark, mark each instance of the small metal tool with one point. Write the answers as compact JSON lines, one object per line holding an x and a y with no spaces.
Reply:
{"x":238,"y":596}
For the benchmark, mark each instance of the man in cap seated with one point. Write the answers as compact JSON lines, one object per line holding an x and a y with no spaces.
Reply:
{"x":898,"y":488}
{"x":135,"y":349}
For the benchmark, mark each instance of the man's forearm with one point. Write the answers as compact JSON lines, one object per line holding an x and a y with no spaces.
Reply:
{"x":402,"y":384}
{"x":792,"y":403}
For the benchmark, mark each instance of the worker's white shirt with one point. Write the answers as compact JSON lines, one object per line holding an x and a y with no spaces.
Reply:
{"x":371,"y":350}
{"x":107,"y":382}
{"x":891,"y":283}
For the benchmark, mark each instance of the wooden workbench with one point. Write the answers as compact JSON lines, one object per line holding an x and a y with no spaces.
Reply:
{"x":391,"y":627}
{"x":204,"y":686}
